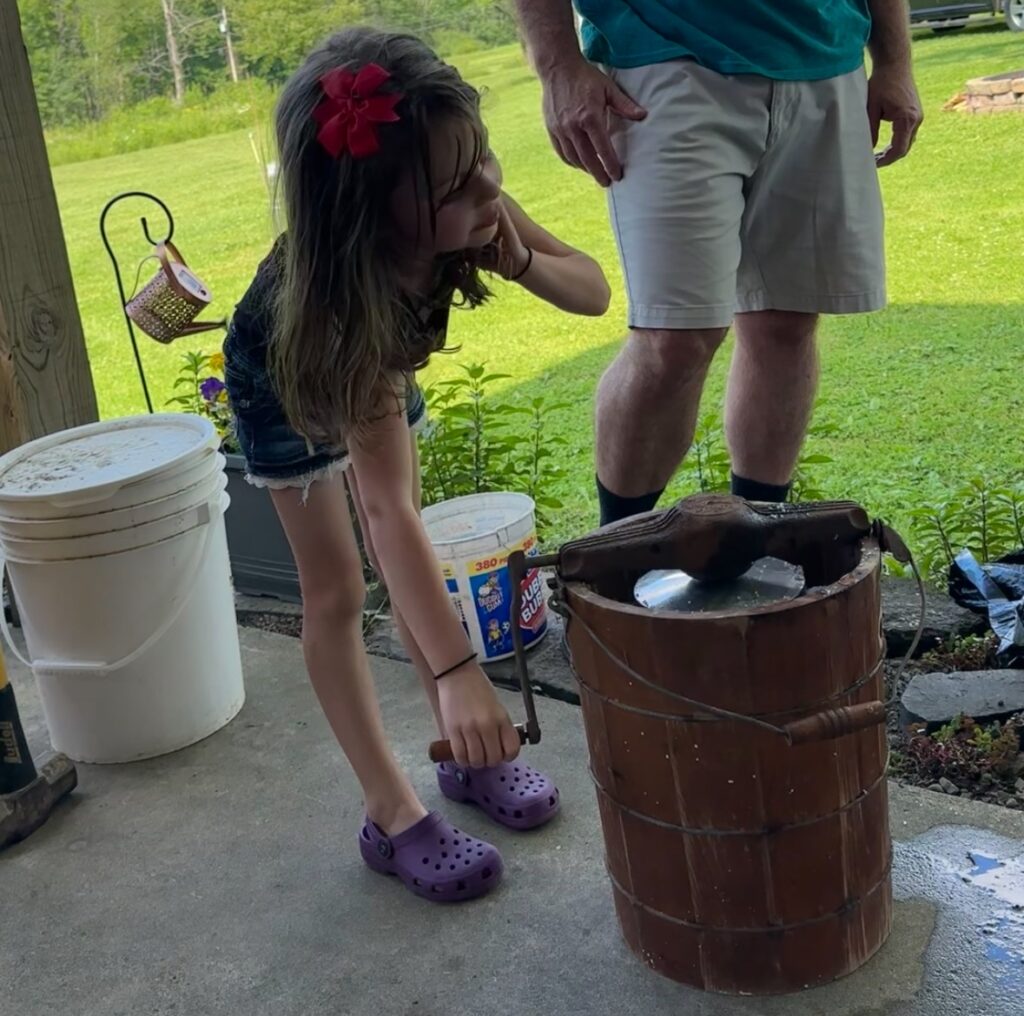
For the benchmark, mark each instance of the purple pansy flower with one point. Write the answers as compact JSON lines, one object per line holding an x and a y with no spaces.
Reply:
{"x":211,"y":388}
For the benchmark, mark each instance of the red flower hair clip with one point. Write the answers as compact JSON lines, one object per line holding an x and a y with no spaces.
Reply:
{"x":351,"y":108}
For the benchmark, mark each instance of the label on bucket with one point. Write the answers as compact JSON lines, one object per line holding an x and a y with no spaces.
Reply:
{"x":452,"y":585}
{"x":491,"y":584}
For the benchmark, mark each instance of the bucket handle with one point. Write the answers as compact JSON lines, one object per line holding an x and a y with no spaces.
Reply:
{"x":57,"y":666}
{"x":821,"y":726}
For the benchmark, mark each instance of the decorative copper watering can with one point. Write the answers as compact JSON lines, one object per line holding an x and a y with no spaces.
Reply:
{"x":167,"y":306}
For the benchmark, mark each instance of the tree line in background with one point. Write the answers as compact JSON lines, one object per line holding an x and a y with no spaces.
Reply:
{"x":90,"y":57}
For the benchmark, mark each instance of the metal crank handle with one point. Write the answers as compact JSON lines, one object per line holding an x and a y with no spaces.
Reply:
{"x":833,"y":723}
{"x":441,"y":751}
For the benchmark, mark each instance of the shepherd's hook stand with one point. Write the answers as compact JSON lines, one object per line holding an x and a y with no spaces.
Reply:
{"x":117,"y":268}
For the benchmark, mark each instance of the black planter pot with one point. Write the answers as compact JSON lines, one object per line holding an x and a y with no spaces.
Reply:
{"x":261,"y":560}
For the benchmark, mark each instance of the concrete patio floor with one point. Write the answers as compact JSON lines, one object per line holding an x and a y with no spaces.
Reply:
{"x":224,"y":879}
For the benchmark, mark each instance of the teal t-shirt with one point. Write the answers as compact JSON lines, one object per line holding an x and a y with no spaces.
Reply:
{"x":788,"y":40}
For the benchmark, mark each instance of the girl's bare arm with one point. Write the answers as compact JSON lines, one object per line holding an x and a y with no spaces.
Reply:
{"x":560,"y":274}
{"x":477,"y":725}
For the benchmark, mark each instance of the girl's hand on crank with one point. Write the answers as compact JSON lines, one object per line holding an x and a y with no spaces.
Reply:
{"x":478,"y":725}
{"x":506,"y":254}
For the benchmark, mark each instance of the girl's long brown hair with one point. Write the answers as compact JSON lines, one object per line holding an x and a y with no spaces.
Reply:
{"x":343,"y":330}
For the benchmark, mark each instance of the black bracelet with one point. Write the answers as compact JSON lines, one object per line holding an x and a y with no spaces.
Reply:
{"x":526,"y":267}
{"x":461,"y":663}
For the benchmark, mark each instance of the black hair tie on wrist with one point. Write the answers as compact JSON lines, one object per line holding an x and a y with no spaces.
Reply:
{"x":526,"y":267}
{"x":461,"y":663}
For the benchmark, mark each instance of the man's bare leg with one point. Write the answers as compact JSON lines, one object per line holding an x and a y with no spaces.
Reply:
{"x":647,"y":406}
{"x":769,"y":400}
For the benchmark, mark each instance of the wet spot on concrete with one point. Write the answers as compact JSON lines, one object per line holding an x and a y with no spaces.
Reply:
{"x":977,"y":879}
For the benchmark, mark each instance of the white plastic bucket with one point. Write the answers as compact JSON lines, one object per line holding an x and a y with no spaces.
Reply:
{"x":472,"y":538}
{"x":105,"y":466}
{"x":120,"y":518}
{"x":130,"y":630}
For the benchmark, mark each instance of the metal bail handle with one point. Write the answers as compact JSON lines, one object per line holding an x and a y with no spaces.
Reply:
{"x":529,"y":732}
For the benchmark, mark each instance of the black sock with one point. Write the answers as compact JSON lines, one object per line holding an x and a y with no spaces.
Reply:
{"x":615,"y":506}
{"x":754,"y":490}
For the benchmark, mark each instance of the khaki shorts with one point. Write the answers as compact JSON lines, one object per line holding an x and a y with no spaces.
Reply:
{"x":742,"y":194}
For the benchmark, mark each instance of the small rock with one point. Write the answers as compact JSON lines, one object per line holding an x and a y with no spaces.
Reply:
{"x":948,"y":786}
{"x":984,"y":695}
{"x":937,"y":788}
{"x":1012,"y":802}
{"x":1019,"y":787}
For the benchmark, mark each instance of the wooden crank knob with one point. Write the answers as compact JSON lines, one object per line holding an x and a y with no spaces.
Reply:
{"x":441,"y":751}
{"x":833,"y":723}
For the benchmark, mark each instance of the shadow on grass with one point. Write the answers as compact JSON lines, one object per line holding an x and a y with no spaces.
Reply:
{"x":921,"y":397}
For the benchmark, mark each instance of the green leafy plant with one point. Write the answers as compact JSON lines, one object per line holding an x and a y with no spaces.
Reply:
{"x":707,"y":465}
{"x":806,"y":484}
{"x":474,"y":443}
{"x":201,"y":390}
{"x":988,"y":521}
{"x":708,"y":460}
{"x":967,"y":652}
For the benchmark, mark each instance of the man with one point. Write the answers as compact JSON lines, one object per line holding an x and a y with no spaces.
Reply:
{"x":737,"y":140}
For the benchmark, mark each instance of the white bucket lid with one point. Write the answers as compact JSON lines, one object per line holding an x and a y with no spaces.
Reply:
{"x":463,"y":520}
{"x":85,"y":465}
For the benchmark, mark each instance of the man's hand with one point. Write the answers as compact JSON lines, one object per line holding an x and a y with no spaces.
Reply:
{"x":578,"y":100}
{"x":892,"y":96}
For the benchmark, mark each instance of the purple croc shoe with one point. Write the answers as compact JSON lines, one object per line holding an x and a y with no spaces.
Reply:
{"x":512,"y":793}
{"x":433,"y":859}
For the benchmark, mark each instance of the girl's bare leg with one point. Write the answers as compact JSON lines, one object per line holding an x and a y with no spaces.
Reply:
{"x":408,"y":642}
{"x":323,"y":543}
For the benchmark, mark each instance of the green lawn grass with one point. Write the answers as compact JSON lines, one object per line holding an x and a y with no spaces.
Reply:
{"x":922,"y":395}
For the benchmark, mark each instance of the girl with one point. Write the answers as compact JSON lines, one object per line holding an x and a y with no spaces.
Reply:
{"x":394,"y":206}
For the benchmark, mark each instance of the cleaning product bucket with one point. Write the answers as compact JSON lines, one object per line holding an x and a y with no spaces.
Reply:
{"x":472,"y":538}
{"x":128,"y":613}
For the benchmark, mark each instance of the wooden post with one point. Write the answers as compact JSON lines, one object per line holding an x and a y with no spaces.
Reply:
{"x":45,"y":382}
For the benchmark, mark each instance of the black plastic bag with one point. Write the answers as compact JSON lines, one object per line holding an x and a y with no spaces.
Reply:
{"x":997,"y":591}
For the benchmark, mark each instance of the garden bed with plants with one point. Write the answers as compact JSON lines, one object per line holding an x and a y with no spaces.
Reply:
{"x":963,"y":757}
{"x":980,"y":526}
